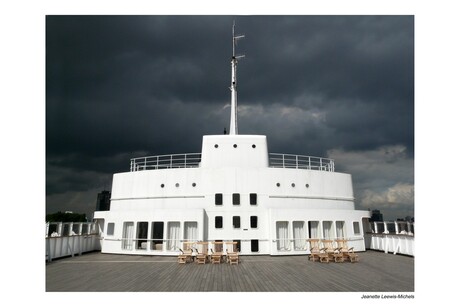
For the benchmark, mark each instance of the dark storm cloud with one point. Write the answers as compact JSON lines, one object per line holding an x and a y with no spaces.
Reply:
{"x":118,"y":87}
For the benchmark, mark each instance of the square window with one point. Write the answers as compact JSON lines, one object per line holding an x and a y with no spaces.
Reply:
{"x":236,"y":198}
{"x":253,"y":221}
{"x":236,"y":222}
{"x":218,"y":199}
{"x":218,"y":221}
{"x":253,"y":199}
{"x":254,"y":245}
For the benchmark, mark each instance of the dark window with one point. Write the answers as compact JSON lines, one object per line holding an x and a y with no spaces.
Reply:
{"x":141,"y":236}
{"x":236,"y":198}
{"x":218,"y":222}
{"x":254,"y":245}
{"x":219,"y":199}
{"x":110,"y":229}
{"x":157,"y":232}
{"x":238,"y":245}
{"x":236,"y":222}
{"x":253,"y":221}
{"x":253,"y":199}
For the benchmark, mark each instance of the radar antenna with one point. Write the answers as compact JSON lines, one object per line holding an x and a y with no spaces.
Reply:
{"x":234,"y":102}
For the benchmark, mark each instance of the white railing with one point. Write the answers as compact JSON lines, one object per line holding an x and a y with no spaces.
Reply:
{"x":70,"y":239}
{"x":301,"y":162}
{"x":189,"y":160}
{"x":393,"y":227}
{"x":165,"y":161}
{"x":397,"y":237}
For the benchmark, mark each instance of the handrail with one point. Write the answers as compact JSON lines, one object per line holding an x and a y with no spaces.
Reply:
{"x":192,"y":160}
{"x":186,"y":160}
{"x":279,"y":160}
{"x":392,"y":227}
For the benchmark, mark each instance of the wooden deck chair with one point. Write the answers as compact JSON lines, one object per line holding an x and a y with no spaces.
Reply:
{"x":183,"y":257}
{"x":348,"y":253}
{"x":202,"y":252}
{"x":232,"y":253}
{"x":186,"y":254}
{"x":217,"y":252}
{"x":315,"y":250}
{"x":332,"y":252}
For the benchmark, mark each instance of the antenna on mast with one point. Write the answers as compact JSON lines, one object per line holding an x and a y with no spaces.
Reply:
{"x":234,"y":102}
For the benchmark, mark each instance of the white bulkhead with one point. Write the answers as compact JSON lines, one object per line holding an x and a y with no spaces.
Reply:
{"x":232,"y":195}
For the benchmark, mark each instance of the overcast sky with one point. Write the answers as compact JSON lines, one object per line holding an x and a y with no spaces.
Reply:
{"x":119,"y":87}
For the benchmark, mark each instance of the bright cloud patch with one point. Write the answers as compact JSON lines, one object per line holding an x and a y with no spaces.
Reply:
{"x":383,"y":178}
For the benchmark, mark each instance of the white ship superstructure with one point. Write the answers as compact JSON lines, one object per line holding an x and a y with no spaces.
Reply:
{"x":234,"y":190}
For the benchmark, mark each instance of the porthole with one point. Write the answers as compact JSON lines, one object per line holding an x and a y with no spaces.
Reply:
{"x":162,"y":185}
{"x":216,"y":146}
{"x":278,"y":184}
{"x":253,"y":146}
{"x":293,"y":185}
{"x":194,"y":184}
{"x":177,"y":185}
{"x":307,"y":185}
{"x":235,"y":146}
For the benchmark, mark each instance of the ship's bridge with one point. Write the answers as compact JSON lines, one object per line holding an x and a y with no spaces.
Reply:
{"x":232,"y":151}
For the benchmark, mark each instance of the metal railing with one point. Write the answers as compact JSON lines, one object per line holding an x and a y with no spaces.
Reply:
{"x":166,"y":161}
{"x":300,"y":162}
{"x":189,"y":160}
{"x":393,"y":227}
{"x":70,"y":239}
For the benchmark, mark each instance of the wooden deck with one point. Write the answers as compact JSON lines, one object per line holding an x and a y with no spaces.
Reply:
{"x":96,"y":272}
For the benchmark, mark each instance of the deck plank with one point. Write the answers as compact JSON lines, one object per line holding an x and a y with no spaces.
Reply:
{"x":96,"y":272}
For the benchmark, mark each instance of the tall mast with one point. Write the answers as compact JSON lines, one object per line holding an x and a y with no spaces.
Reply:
{"x":234,"y":102}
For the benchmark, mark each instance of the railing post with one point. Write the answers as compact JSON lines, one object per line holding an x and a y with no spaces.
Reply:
{"x":185,"y":161}
{"x":145,"y":163}
{"x":296,"y":161}
{"x":59,"y":229}
{"x":283,"y":160}
{"x":309,"y":162}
